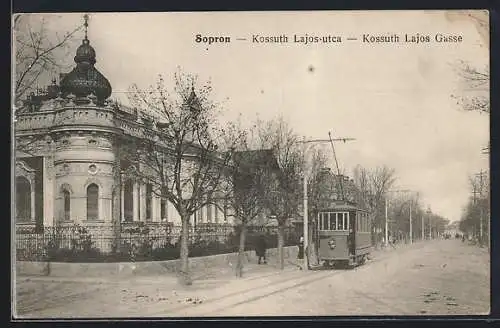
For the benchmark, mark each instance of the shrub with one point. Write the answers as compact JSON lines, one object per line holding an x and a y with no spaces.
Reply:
{"x":78,"y":246}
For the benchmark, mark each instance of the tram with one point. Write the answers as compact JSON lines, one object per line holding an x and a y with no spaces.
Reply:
{"x":343,"y":235}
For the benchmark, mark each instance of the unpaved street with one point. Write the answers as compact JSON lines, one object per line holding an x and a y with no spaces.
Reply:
{"x":437,"y":277}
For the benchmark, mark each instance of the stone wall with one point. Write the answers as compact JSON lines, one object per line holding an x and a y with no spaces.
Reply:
{"x":197,"y":264}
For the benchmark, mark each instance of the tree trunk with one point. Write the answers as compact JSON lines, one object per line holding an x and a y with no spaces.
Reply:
{"x":281,"y":244}
{"x":241,"y":251}
{"x":185,"y":277}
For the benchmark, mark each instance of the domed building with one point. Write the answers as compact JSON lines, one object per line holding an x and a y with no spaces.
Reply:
{"x":70,"y":160}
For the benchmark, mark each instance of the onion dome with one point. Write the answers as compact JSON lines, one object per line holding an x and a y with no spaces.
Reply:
{"x":85,"y":53}
{"x":85,"y":79}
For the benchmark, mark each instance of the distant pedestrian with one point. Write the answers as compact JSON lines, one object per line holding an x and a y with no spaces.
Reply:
{"x":261,"y":248}
{"x":392,"y":242}
{"x":300,"y":255}
{"x":301,"y":248}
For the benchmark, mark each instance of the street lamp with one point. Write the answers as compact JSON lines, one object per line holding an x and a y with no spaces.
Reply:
{"x":410,"y":202}
{"x":423,"y":227}
{"x":429,"y":212}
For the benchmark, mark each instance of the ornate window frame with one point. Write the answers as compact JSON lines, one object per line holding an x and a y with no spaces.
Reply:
{"x":62,"y":188}
{"x":99,"y":203}
{"x":25,"y":171}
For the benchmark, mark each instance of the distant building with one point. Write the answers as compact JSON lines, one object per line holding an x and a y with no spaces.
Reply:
{"x":326,"y":189}
{"x":252,"y":163}
{"x":452,"y":228}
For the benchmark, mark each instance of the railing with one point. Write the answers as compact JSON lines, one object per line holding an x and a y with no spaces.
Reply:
{"x":135,"y":241}
{"x":32,"y":121}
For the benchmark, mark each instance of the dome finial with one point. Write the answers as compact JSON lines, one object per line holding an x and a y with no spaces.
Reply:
{"x":86,"y":24}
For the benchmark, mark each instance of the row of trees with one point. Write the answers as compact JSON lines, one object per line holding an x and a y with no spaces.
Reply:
{"x":377,"y":193}
{"x":410,"y":220}
{"x":475,"y":220}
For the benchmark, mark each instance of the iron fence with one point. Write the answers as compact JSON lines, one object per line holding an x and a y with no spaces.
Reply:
{"x":135,"y":242}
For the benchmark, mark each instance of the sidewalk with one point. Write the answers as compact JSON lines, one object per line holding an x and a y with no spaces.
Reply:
{"x":209,"y":276}
{"x":251,"y":270}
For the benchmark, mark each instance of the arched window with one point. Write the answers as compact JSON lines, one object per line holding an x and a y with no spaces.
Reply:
{"x":23,"y":199}
{"x":149,"y":201}
{"x":92,"y":202}
{"x":67,"y":204}
{"x":128,"y":205}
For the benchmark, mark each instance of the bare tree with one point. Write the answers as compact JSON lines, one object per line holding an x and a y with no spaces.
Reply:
{"x":253,"y":169}
{"x":319,"y":184}
{"x":477,"y":212}
{"x":38,"y":51}
{"x":285,"y":189}
{"x":400,"y":207}
{"x":372,"y":188}
{"x":181,"y":155}
{"x":476,"y":80}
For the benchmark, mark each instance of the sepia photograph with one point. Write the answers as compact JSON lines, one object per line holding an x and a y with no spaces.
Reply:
{"x":250,"y":164}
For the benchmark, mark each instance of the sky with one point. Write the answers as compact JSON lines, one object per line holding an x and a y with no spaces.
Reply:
{"x":393,"y":98}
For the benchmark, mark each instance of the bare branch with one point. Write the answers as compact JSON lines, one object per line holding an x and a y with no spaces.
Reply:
{"x":35,"y":52}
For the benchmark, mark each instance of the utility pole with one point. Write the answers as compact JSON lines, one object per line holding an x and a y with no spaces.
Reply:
{"x":305,"y":200}
{"x":386,"y":225}
{"x":411,"y":228}
{"x":480,"y":209}
{"x":481,"y":214}
{"x":423,"y":228}
{"x":430,"y":224}
{"x":474,"y":202}
{"x":486,"y":150}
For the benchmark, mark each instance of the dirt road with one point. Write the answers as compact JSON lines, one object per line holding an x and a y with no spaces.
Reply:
{"x":438,"y":277}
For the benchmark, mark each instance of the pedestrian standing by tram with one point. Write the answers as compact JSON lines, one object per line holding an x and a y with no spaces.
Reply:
{"x":300,"y":255}
{"x":261,"y":248}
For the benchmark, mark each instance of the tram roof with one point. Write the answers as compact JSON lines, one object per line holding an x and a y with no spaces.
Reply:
{"x":342,"y":205}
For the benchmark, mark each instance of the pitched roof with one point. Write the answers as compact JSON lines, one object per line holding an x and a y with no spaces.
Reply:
{"x":260,"y":157}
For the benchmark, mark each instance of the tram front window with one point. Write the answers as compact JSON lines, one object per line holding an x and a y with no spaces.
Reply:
{"x":333,"y":223}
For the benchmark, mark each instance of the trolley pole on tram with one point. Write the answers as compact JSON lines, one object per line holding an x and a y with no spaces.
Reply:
{"x":305,"y":200}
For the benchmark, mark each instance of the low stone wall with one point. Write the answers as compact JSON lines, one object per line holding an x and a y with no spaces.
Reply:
{"x":197,"y":264}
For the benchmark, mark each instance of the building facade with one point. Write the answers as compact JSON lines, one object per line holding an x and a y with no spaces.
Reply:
{"x":70,"y":159}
